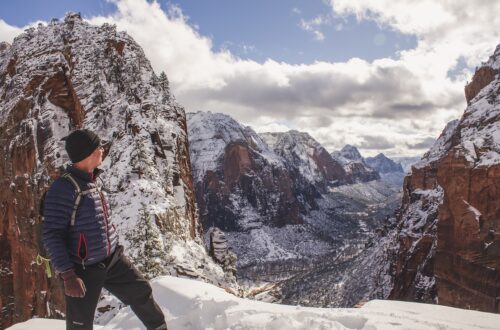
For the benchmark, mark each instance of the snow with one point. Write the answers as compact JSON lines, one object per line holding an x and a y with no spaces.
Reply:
{"x":348,"y":154}
{"x":421,"y":213}
{"x":472,"y":209}
{"x":480,"y":127}
{"x":440,"y":147}
{"x":189,"y":304}
{"x":265,"y":241}
{"x":267,"y":244}
{"x":367,"y":192}
{"x":43,"y":324}
{"x":297,"y":148}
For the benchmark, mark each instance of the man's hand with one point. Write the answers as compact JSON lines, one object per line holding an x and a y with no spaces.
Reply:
{"x":73,"y":285}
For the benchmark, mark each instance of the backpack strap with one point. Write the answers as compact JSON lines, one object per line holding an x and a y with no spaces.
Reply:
{"x":68,"y":177}
{"x":80,"y":194}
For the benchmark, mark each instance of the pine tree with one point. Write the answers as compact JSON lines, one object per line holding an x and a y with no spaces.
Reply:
{"x":147,"y":245}
{"x":165,"y":87}
{"x":229,"y":262}
{"x":163,"y":82}
{"x":141,"y":159}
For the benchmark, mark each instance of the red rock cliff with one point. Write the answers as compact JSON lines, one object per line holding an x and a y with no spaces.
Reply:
{"x":453,"y":258}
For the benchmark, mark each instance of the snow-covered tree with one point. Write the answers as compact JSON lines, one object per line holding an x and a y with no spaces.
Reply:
{"x":142,"y":158}
{"x":146,"y":241}
{"x":165,"y":86}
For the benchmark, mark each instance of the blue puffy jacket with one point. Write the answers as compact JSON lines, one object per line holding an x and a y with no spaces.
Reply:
{"x":92,"y":238}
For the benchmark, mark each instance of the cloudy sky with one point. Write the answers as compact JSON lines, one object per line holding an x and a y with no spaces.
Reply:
{"x":384,"y":76}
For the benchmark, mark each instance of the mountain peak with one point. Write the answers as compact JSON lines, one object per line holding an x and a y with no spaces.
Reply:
{"x":72,"y":16}
{"x":351,"y":152}
{"x":383,"y":164}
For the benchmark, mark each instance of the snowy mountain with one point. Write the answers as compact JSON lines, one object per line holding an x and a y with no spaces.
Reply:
{"x":189,"y":304}
{"x":354,"y":164}
{"x":68,"y":75}
{"x":348,"y":154}
{"x":389,"y":170}
{"x":382,"y":164}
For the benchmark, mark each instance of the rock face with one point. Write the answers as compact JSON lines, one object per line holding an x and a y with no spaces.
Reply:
{"x":451,"y":254}
{"x":481,"y":78}
{"x":354,"y":165}
{"x":70,"y":75}
{"x":415,"y":234}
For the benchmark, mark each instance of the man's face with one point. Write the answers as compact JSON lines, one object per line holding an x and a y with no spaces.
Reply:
{"x":95,"y":158}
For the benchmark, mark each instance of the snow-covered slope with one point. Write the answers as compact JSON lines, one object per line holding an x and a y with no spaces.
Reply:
{"x":190,"y":305}
{"x":440,"y":147}
{"x":371,"y":192}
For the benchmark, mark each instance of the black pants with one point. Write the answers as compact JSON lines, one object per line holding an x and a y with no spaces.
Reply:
{"x":123,"y":280}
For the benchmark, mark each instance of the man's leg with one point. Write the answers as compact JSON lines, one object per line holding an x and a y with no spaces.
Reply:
{"x":127,"y":284}
{"x":80,"y":311}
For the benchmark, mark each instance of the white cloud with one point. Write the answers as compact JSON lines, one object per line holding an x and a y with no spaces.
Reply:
{"x":314,"y":26}
{"x":402,"y":100}
{"x":446,"y":29}
{"x":8,"y":32}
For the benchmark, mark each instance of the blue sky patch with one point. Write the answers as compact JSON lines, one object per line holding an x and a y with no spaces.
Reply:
{"x":294,"y":31}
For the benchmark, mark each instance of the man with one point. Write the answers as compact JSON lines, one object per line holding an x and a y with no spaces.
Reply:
{"x":83,"y":245}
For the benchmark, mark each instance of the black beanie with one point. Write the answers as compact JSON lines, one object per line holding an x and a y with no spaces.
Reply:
{"x":80,"y":144}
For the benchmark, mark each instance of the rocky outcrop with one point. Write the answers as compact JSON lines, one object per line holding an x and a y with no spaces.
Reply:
{"x":448,"y":225}
{"x":481,"y":78}
{"x":68,"y":75}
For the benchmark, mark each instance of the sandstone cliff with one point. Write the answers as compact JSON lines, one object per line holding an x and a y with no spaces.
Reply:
{"x":453,"y":194}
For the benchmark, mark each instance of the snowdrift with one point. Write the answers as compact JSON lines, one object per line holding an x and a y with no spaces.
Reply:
{"x":190,"y":304}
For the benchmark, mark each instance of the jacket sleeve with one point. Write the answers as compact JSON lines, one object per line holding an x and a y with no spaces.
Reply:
{"x":57,"y":210}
